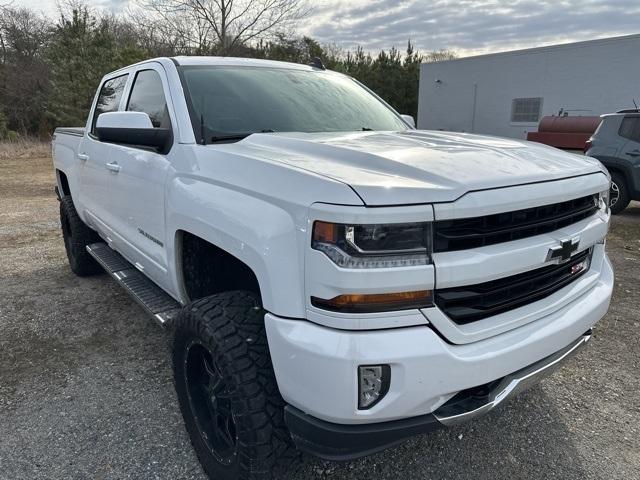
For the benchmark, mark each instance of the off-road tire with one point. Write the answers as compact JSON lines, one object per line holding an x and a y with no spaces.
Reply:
{"x":230,"y":326}
{"x":76,"y":237}
{"x":623,"y":193}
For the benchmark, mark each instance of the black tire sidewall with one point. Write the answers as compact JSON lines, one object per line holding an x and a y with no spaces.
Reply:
{"x":76,"y":237}
{"x":231,"y":326}
{"x":185,"y":336}
{"x":67,"y":236}
{"x":623,"y":193}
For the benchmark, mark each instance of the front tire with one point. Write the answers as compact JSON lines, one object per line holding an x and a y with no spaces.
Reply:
{"x":619,"y":197}
{"x":227,"y":390}
{"x":76,"y":237}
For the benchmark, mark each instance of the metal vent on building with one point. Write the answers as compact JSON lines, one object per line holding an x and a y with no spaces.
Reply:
{"x":526,"y":109}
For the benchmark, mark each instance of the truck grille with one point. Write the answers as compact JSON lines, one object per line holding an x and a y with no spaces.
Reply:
{"x":469,"y":303}
{"x":464,"y":233}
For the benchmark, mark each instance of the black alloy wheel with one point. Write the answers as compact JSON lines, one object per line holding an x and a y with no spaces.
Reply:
{"x":210,"y":401}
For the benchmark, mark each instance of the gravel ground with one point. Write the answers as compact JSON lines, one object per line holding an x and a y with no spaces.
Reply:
{"x":86,"y":387}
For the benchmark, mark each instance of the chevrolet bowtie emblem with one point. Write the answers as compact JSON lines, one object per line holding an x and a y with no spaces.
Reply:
{"x":563,"y":252}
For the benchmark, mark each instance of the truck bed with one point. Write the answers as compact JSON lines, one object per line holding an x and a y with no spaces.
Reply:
{"x":65,"y":143}
{"x":76,"y":131}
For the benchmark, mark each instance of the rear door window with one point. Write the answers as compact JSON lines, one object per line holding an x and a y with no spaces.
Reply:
{"x":630,"y":128}
{"x":109,"y":98}
{"x":147,"y":95}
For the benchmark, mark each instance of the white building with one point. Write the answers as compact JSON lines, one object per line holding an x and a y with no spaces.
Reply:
{"x":506,"y":94}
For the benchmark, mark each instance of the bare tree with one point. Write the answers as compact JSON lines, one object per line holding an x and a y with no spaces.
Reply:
{"x":222,"y":26}
{"x":176,"y":33}
{"x":440,"y":56}
{"x":22,"y":31}
{"x":24,"y":80}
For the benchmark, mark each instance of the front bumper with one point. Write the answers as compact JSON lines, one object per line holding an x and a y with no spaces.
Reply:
{"x":316,"y":366}
{"x":333,"y":441}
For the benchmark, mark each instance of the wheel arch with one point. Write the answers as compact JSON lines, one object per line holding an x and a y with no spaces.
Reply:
{"x":626,"y":171}
{"x":620,"y":171}
{"x":261,"y":235}
{"x":197,"y":258}
{"x":62,"y":182}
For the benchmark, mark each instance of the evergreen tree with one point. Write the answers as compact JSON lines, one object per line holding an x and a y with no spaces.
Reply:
{"x":84,"y":48}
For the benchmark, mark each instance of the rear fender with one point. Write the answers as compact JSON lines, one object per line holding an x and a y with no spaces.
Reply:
{"x":64,"y":148}
{"x":630,"y":172}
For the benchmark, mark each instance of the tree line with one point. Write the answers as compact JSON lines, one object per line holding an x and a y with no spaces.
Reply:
{"x":50,"y":68}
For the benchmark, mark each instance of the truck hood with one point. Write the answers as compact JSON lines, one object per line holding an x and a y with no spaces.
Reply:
{"x":388,"y":168}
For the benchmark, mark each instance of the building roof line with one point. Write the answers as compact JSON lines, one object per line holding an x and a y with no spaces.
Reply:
{"x":546,"y":48}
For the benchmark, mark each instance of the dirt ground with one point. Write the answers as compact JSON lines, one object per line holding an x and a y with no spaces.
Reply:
{"x":86,"y":385}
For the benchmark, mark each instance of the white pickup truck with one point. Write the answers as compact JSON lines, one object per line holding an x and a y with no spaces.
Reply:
{"x":335,"y":279}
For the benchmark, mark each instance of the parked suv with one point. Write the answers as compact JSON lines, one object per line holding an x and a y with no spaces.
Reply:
{"x":616,"y":143}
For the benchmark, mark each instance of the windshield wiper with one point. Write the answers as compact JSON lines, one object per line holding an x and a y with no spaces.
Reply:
{"x":367,"y":129}
{"x":229,"y":136}
{"x":236,"y":136}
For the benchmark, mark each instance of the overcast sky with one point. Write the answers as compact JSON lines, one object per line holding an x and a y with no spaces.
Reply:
{"x":467,"y":26}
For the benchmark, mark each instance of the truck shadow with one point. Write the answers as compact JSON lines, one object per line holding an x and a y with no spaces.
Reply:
{"x":524,"y":439}
{"x":632,"y":212}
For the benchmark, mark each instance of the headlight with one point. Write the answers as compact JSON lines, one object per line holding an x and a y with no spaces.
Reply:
{"x":601,"y":200}
{"x":374,"y":246}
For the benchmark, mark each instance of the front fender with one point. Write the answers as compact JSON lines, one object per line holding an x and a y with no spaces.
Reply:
{"x":267,"y":237}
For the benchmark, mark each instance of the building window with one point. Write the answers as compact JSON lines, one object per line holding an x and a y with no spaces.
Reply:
{"x":526,"y":110}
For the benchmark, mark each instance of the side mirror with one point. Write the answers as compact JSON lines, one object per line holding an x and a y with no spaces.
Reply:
{"x":132,"y":128}
{"x":409,"y":120}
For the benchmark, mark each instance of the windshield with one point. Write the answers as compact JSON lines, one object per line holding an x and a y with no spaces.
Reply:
{"x":230,"y":101}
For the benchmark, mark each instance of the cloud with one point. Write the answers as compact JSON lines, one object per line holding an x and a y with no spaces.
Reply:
{"x":470,"y":26}
{"x":50,"y":8}
{"x":467,"y":26}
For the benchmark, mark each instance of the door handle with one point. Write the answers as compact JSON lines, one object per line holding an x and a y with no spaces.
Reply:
{"x":634,"y":153}
{"x":83,"y":157}
{"x":113,"y":166}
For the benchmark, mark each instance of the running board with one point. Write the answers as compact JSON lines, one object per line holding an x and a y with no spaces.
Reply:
{"x":162,"y":307}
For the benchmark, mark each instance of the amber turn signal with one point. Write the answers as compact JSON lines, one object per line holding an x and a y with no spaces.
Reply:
{"x":376,"y":302}
{"x":325,"y":232}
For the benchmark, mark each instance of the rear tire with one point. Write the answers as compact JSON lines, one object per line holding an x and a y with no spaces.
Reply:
{"x":227,"y":390}
{"x":76,"y":237}
{"x":619,"y":197}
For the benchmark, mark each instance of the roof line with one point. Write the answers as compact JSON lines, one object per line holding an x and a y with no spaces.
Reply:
{"x":546,"y":48}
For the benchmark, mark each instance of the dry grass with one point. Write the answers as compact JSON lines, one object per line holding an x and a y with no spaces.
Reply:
{"x":24,"y":149}
{"x":27,"y":199}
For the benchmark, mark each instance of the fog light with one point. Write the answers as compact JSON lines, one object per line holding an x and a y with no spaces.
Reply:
{"x":373,"y":384}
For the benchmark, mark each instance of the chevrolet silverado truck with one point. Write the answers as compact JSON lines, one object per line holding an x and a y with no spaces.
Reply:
{"x":334,"y":279}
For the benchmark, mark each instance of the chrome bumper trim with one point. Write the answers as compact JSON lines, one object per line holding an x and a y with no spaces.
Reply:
{"x":464,"y":409}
